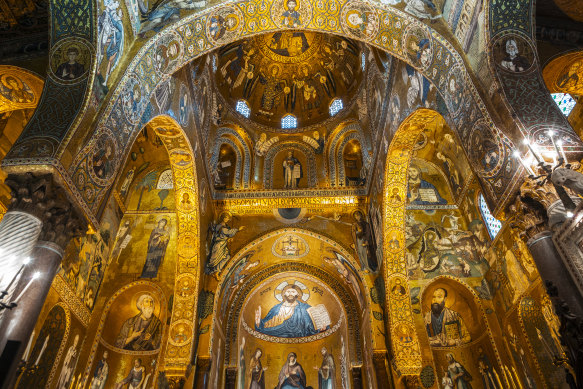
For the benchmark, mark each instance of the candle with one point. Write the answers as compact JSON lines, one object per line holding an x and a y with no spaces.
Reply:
{"x":551,"y":135}
{"x":34,"y":277}
{"x":27,"y":351}
{"x":42,"y":350}
{"x":560,"y":144}
{"x":526,"y":167}
{"x":527,"y":143}
{"x":15,"y":276}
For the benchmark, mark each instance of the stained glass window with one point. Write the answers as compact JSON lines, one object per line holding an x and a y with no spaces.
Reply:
{"x":289,"y":121}
{"x":214,"y":63}
{"x":565,"y":102}
{"x":363,"y":61}
{"x":494,"y":225}
{"x":335,"y":106}
{"x":165,"y":180}
{"x":243,"y":108}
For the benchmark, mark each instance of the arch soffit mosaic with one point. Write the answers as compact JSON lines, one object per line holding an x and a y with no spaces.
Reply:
{"x":268,"y":235}
{"x":399,"y":311}
{"x":185,"y":180}
{"x":390,"y":32}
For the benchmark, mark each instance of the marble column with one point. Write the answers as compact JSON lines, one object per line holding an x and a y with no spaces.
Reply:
{"x":33,"y":199}
{"x":201,"y":374}
{"x":30,"y":294}
{"x":381,"y":367}
{"x":551,"y":268}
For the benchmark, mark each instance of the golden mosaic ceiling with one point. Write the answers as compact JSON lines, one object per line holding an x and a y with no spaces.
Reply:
{"x":291,"y":72}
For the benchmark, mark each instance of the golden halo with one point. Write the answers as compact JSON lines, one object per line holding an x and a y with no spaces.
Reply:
{"x":173,"y":43}
{"x":358,"y":210}
{"x":269,"y":69}
{"x":232,"y":16}
{"x":351,"y":12}
{"x":295,"y":1}
{"x":139,"y":296}
{"x":80,"y":53}
{"x":5,"y":82}
{"x":225,"y":213}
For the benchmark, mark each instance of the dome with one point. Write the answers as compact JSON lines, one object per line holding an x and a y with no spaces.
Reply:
{"x":288,"y":74}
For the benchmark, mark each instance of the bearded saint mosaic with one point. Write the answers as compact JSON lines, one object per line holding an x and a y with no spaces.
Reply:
{"x":143,"y":331}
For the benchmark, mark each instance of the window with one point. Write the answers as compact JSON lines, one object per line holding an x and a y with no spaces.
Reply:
{"x":165,"y":180}
{"x":494,"y":225}
{"x":289,"y":121}
{"x":564,"y":101}
{"x":335,"y":106}
{"x":243,"y":108}
{"x":214,"y":63}
{"x":363,"y":61}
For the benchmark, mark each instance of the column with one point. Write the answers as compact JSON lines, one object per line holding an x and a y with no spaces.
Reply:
{"x":36,"y":199}
{"x":21,"y":225}
{"x":551,"y":268}
{"x":381,"y":367}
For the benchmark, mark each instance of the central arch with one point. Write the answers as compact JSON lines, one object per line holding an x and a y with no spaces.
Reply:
{"x":390,"y":30}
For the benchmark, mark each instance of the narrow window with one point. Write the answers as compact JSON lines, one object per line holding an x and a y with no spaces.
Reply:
{"x":492,"y":224}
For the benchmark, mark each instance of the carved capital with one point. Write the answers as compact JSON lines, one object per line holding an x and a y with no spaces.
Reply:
{"x":40,"y":196}
{"x":529,"y":210}
{"x":411,"y":381}
{"x":203,"y":363}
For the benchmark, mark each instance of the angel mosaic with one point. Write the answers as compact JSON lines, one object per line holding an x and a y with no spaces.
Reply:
{"x":220,"y":234}
{"x":111,"y":37}
{"x":163,"y":12}
{"x":15,"y":90}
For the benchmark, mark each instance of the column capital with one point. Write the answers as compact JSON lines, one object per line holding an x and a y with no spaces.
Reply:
{"x":40,"y":196}
{"x":529,"y":209}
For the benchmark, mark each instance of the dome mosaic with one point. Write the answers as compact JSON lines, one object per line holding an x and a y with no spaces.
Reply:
{"x":289,"y":73}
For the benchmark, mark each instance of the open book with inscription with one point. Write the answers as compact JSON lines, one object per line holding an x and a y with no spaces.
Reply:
{"x":320,"y":317}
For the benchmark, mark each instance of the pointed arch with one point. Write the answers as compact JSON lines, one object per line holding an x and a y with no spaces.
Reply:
{"x":340,"y":136}
{"x":181,"y":155}
{"x":399,"y":311}
{"x":230,"y":136}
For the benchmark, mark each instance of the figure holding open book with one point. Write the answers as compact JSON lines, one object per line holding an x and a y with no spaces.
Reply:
{"x":292,"y":318}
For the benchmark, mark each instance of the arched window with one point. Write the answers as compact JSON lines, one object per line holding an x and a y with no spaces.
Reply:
{"x":289,"y":121}
{"x":243,"y":108}
{"x":165,"y":180}
{"x":492,"y":224}
{"x":565,"y":102}
{"x":335,"y":106}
